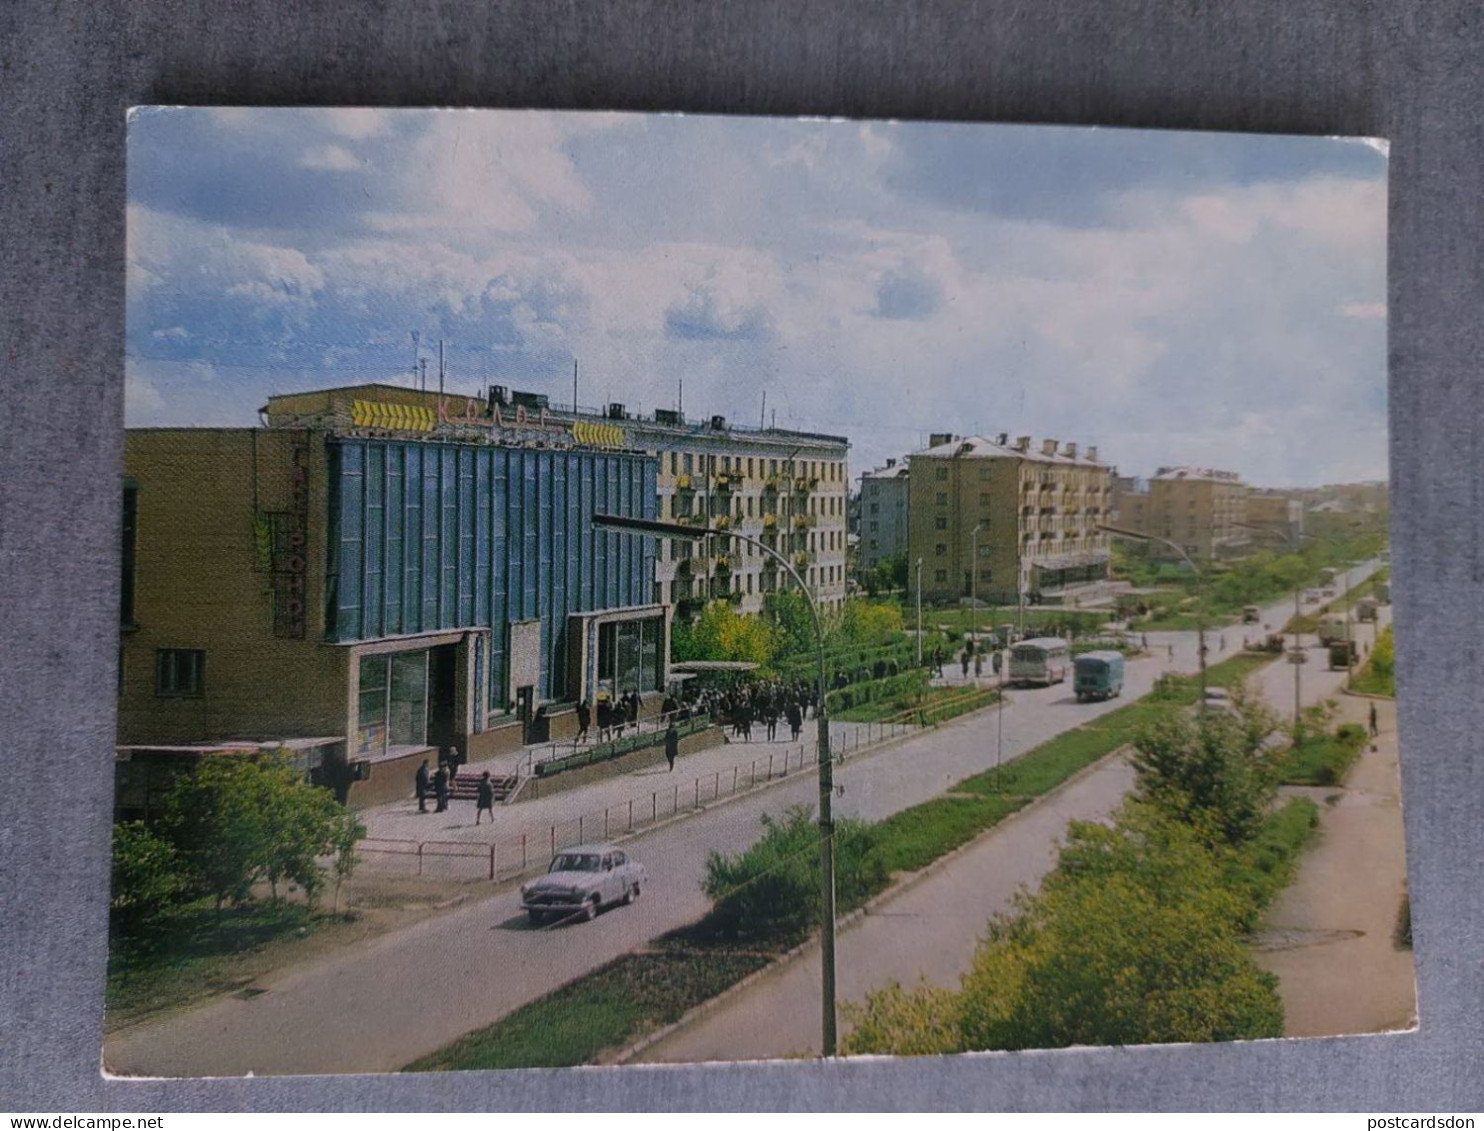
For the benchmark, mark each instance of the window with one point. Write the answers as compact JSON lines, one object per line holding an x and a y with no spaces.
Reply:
{"x":772,"y":467}
{"x":749,"y":467}
{"x":985,"y":551}
{"x":689,"y":463}
{"x":940,"y":550}
{"x":940,"y":575}
{"x":179,"y":673}
{"x":940,"y":473}
{"x":940,"y":523}
{"x":942,"y":499}
{"x":984,"y":474}
{"x":674,"y":463}
{"x":984,"y":574}
{"x":875,"y":526}
{"x":984,"y":498}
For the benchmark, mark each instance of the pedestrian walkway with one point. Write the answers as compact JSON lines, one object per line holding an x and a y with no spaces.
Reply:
{"x":1329,"y":937}
{"x":403,"y":840}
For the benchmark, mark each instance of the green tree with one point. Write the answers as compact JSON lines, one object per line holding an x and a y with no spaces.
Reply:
{"x":1132,"y":940}
{"x":345,"y":832}
{"x":1216,"y":772}
{"x":722,"y":633}
{"x":788,"y":609}
{"x":148,"y":874}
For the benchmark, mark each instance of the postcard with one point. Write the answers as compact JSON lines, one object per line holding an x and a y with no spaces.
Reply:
{"x":607,"y":589}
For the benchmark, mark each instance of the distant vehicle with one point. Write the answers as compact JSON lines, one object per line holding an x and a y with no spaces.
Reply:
{"x":1332,"y":629}
{"x":1099,"y":675}
{"x":1383,"y":592}
{"x":1251,"y":614}
{"x":582,"y":881}
{"x":1342,"y":655}
{"x":1327,"y":591}
{"x":1043,"y":660}
{"x":1328,"y":576}
{"x":1366,"y":608}
{"x":1311,"y":595}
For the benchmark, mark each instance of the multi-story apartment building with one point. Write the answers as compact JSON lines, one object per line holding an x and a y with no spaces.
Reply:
{"x":1036,"y":512}
{"x":1276,"y":512}
{"x":883,"y":520}
{"x":782,"y":488}
{"x":1200,"y":509}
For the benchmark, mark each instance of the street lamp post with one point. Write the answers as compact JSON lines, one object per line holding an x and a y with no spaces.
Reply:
{"x":974,"y":592}
{"x":1200,"y":577}
{"x":826,"y":768}
{"x":919,"y":612}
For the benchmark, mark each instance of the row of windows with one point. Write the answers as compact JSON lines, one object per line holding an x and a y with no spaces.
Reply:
{"x":683,"y":505}
{"x":688,"y":463}
{"x":743,"y":584}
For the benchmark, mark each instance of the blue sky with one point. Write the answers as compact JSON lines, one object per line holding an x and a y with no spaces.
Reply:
{"x":1171,"y":298}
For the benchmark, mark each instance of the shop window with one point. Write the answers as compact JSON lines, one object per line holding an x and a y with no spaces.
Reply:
{"x":179,"y":673}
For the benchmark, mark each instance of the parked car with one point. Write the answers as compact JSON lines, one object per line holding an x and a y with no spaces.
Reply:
{"x":1251,"y":614}
{"x":582,"y":881}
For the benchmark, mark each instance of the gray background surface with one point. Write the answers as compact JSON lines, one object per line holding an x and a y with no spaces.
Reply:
{"x":1407,"y":70}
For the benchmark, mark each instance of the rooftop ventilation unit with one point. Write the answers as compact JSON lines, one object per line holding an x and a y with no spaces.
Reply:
{"x":719,"y":423}
{"x":616,"y":411}
{"x":667,"y":416}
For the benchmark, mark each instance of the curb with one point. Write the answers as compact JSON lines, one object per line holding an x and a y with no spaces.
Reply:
{"x":1368,"y":695}
{"x":845,"y":922}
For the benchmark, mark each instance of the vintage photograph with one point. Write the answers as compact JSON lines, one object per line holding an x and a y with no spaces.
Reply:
{"x":616,"y":589}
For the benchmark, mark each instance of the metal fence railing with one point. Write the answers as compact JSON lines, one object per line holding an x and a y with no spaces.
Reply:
{"x":509,"y":855}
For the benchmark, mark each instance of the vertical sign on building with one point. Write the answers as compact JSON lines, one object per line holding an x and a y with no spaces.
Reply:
{"x":289,"y":529}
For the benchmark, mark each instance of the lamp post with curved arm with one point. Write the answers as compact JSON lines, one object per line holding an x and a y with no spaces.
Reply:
{"x":1200,"y":577}
{"x":826,"y":770}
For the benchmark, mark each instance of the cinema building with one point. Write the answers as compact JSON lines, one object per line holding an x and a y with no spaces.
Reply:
{"x":365,"y":581}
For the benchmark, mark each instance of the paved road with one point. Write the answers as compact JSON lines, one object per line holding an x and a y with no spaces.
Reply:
{"x":778,"y":1016}
{"x":411,"y":992}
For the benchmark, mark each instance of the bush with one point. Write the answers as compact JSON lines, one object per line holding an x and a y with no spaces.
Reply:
{"x":1266,"y":865}
{"x":148,"y":874}
{"x":906,"y":686}
{"x":1323,"y":759}
{"x":1133,"y":939}
{"x":770,"y":892}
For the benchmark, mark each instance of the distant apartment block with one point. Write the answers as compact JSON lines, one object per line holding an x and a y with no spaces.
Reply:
{"x":1036,"y":511}
{"x":1200,"y":509}
{"x":883,"y":520}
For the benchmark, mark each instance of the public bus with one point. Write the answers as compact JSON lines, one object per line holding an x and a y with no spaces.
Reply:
{"x":1099,"y":675}
{"x":1044,"y":660}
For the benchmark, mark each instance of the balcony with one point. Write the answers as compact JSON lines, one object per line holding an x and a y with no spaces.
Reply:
{"x":804,"y":486}
{"x":804,"y":521}
{"x":725,"y":481}
{"x":770,"y":522}
{"x":771,"y":483}
{"x":682,"y":483}
{"x":802,"y":558}
{"x":723,"y":522}
{"x":723,"y":564}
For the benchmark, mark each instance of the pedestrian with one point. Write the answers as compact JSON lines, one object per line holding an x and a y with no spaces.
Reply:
{"x":634,"y":705}
{"x":584,"y":720}
{"x":455,"y":757}
{"x":1223,"y":642}
{"x":772,"y":717}
{"x":963,"y":659}
{"x":1144,"y":641}
{"x":1375,"y":730}
{"x":795,"y":720}
{"x":672,"y":745}
{"x":997,"y":661}
{"x":486,"y":799}
{"x":1172,"y":651}
{"x":422,"y":787}
{"x":440,"y":788}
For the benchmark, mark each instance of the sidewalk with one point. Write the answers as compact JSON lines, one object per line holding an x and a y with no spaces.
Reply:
{"x":1329,"y":936}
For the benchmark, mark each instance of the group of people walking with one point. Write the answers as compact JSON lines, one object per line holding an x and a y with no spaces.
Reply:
{"x":613,"y":716}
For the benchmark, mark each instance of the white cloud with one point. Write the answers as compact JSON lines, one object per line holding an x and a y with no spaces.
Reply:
{"x":330,"y":158}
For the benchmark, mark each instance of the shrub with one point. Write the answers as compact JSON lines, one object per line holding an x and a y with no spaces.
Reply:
{"x":148,"y":874}
{"x":770,"y":892}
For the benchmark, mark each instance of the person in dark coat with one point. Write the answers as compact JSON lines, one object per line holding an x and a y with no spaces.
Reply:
{"x":672,"y":745}
{"x":584,"y":720}
{"x":440,"y":788}
{"x":422,"y":787}
{"x":486,"y":799}
{"x":795,"y":719}
{"x":1375,"y":730}
{"x":634,"y":704}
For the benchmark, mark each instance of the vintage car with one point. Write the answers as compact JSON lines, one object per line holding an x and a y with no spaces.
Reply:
{"x":581,"y":881}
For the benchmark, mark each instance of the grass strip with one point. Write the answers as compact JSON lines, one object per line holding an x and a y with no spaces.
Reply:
{"x":915,"y":837}
{"x":1323,"y":759}
{"x":1268,"y":863}
{"x":609,"y":1008}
